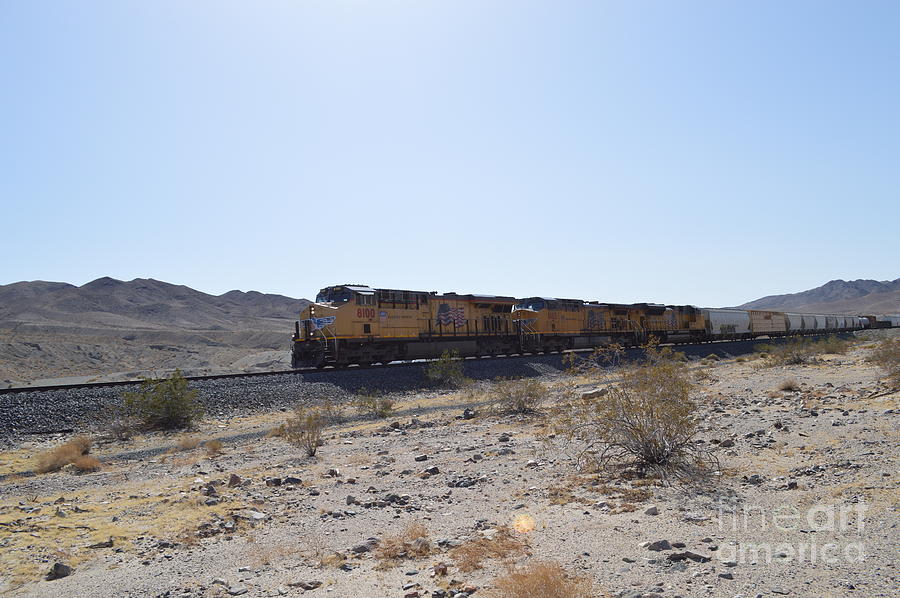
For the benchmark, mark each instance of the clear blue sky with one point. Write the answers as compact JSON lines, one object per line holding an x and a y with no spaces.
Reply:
{"x":683,"y":152}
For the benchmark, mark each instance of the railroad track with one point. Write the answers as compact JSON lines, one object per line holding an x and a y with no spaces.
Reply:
{"x":396,"y":364}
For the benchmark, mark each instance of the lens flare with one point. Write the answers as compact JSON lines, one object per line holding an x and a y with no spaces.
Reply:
{"x":523,"y":523}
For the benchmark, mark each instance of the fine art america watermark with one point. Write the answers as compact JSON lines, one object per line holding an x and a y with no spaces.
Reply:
{"x":841,"y":526}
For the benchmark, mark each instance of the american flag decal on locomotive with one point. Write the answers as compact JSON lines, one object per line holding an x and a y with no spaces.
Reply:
{"x":451,"y":315}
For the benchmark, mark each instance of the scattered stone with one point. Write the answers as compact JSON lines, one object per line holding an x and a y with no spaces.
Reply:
{"x":421,"y":458}
{"x":659,"y":545}
{"x":652,"y":511}
{"x":58,"y":571}
{"x":107,"y":544}
{"x":687,"y":554}
{"x":306,"y":585}
{"x":234,"y":480}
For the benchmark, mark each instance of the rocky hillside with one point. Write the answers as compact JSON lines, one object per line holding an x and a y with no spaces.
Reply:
{"x":838,"y":296}
{"x":53,"y":329}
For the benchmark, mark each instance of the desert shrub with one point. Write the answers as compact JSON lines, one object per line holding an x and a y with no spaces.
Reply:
{"x":164,"y":404}
{"x":887,"y":355}
{"x":647,"y":420}
{"x":790,"y":384}
{"x":607,"y":356}
{"x":795,"y":351}
{"x":413,"y":542}
{"x":86,"y":463}
{"x":447,"y":370}
{"x":332,"y":412}
{"x":472,"y":554}
{"x":547,"y":579}
{"x":373,"y":403}
{"x":62,"y":455}
{"x":213,"y":447}
{"x":304,"y":430}
{"x":832,"y":344}
{"x":187,"y":443}
{"x":518,"y":395}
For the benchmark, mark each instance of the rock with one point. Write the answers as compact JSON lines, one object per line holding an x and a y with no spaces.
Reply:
{"x":306,"y":585}
{"x":439,"y":570}
{"x":659,"y":545}
{"x":107,"y":544}
{"x":727,"y":443}
{"x":687,"y":554}
{"x":431,"y":471}
{"x":593,"y":394}
{"x":332,"y":473}
{"x":250,"y":515}
{"x":237,"y":590}
{"x":652,"y":511}
{"x":366,"y":546}
{"x":532,"y":463}
{"x":291,"y":481}
{"x":273,"y":481}
{"x":351,"y":500}
{"x":234,"y":480}
{"x":58,"y":571}
{"x":468,"y":413}
{"x":421,"y":458}
{"x":726,"y":575}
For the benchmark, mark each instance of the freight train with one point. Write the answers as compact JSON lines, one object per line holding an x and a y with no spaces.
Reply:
{"x":357,"y":324}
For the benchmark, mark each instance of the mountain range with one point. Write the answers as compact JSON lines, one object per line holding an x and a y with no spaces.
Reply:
{"x":838,"y":296}
{"x":54,"y":329}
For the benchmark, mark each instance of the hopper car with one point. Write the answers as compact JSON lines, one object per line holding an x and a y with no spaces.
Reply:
{"x":358,"y":324}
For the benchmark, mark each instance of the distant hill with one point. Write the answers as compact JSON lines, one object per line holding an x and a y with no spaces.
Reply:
{"x":838,"y":296}
{"x":108,"y":325}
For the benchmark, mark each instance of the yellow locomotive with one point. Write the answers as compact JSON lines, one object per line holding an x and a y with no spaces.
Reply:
{"x":356,"y":324}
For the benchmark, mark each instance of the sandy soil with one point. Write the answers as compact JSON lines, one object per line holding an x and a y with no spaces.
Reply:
{"x":763,"y":526}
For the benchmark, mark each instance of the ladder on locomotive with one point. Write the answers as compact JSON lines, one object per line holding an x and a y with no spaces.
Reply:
{"x":529,"y":338}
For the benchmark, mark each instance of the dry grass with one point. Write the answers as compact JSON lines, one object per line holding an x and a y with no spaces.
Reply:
{"x":472,"y":554}
{"x":887,"y":355}
{"x":789,"y":385}
{"x":623,"y":493}
{"x":213,"y":447}
{"x":546,"y":579}
{"x":187,"y":443}
{"x":518,"y":396}
{"x":412,"y":543}
{"x":62,"y":455}
{"x":86,"y":463}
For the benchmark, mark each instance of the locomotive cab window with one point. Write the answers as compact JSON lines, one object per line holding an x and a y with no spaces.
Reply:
{"x":365,"y":299}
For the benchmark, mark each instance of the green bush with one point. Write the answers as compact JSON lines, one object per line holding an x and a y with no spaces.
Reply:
{"x":164,"y":404}
{"x":447,"y":370}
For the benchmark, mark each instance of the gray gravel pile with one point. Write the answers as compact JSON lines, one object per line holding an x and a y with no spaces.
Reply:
{"x":29,"y":413}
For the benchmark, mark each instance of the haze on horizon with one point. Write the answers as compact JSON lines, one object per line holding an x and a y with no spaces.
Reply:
{"x":690,"y":153}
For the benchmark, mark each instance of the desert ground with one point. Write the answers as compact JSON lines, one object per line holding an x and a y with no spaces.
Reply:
{"x":448,"y":496}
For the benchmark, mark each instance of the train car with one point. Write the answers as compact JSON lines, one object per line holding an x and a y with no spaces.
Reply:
{"x":727,"y":323}
{"x":685,"y":323}
{"x":794,"y":323}
{"x":767,"y":323}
